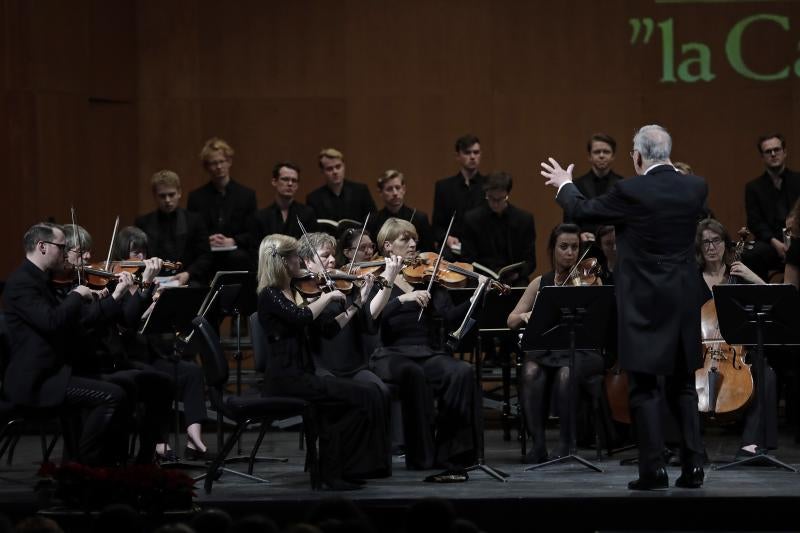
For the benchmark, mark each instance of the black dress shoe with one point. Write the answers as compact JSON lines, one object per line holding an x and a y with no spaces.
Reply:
{"x":691,"y":479}
{"x":657,"y":480}
{"x":535,"y":456}
{"x":192,"y":454}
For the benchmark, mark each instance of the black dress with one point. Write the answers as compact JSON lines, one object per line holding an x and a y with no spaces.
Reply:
{"x":442,"y":435}
{"x":353,"y":438}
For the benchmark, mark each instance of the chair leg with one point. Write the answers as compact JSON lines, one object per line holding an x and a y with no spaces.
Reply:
{"x":215,"y":465}
{"x":309,"y":431}
{"x":259,"y":440}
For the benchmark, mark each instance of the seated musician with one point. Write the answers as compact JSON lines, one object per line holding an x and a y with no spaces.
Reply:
{"x":445,"y":437}
{"x":543,"y":369}
{"x":792,"y":270}
{"x":95,"y":351}
{"x":346,"y":247}
{"x":353,"y":440}
{"x":717,"y":265}
{"x":132,"y":244}
{"x":40,"y":327}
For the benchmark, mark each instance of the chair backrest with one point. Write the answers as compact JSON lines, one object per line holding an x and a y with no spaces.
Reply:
{"x":215,"y":365}
{"x":259,"y":341}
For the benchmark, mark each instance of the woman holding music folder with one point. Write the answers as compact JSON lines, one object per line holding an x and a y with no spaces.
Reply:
{"x":544,"y":369}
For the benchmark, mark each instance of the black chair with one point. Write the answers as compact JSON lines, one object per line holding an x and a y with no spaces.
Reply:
{"x":243,"y":410}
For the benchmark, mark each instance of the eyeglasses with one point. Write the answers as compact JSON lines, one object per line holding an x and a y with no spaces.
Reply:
{"x":493,"y":200}
{"x":632,"y":152}
{"x":772,"y":151}
{"x":62,"y":246}
{"x":716,"y":241}
{"x":363,"y":247}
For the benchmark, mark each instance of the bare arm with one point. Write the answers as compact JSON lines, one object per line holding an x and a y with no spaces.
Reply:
{"x":522,"y":312}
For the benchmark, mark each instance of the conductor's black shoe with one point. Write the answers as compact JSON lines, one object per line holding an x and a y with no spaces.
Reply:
{"x":657,"y":480}
{"x":691,"y":479}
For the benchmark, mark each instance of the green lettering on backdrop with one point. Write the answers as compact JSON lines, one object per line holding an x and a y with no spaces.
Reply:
{"x":733,"y":48}
{"x":667,"y":51}
{"x":702,"y":60}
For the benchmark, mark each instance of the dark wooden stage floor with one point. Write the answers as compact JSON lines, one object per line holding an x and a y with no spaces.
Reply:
{"x":751,"y":498}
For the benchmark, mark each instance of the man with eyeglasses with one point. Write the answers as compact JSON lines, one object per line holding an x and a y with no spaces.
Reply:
{"x":40,"y":330}
{"x":497,"y":234}
{"x":768,"y":200}
{"x":392,"y":189}
{"x":225,"y":206}
{"x":281,"y":216}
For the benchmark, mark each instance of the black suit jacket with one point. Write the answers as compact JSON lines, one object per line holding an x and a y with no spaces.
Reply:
{"x":227,"y":214}
{"x":496,"y":241}
{"x":191,"y":239}
{"x":587,"y":185}
{"x":767,"y":207}
{"x":420,"y":221}
{"x":269,"y":220}
{"x":354,"y":202}
{"x":656,"y":274}
{"x":39,"y":329}
{"x":452,"y":195}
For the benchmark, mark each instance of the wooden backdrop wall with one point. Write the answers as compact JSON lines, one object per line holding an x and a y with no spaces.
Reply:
{"x":98,"y":95}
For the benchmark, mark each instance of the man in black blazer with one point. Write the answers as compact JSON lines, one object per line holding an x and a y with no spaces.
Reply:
{"x":40,"y":331}
{"x":768,"y":199}
{"x":281,"y":217}
{"x":175,"y":234}
{"x":602,"y":149}
{"x":655,"y":214}
{"x":497,"y":234}
{"x":392,"y":188}
{"x":458,"y":194}
{"x":339,"y":198}
{"x":225,"y":207}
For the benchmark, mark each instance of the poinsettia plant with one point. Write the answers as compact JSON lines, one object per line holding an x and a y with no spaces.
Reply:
{"x":147,"y":488}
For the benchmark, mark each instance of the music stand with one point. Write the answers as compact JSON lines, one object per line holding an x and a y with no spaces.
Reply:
{"x":173,"y":313}
{"x":480,"y":464}
{"x":758,"y":315}
{"x":569,"y":318}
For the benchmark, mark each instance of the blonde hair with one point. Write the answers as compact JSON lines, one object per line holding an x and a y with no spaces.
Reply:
{"x":215,"y":144}
{"x":393,"y":229}
{"x":315,"y":241}
{"x":272,"y":252}
{"x":165,"y":178}
{"x":330,"y":153}
{"x":390,"y":175}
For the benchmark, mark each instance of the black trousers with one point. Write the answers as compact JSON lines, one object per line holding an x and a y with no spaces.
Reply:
{"x":446,"y":436}
{"x":99,"y":400}
{"x":753,"y":432}
{"x":190,"y":387}
{"x":647,"y":410}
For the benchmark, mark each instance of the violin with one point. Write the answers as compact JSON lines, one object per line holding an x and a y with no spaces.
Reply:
{"x":311,"y":284}
{"x":450,"y":275}
{"x":725,"y":383}
{"x":585,"y":272}
{"x":375,"y":266}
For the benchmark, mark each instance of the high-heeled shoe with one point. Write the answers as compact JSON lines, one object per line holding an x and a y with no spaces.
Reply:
{"x":192,"y":454}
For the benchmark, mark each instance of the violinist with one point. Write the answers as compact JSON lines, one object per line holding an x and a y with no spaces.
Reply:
{"x":95,"y":351}
{"x":607,"y":237}
{"x":155,"y":351}
{"x":543,"y":369}
{"x":445,"y":437}
{"x":717,"y":266}
{"x":346,"y":248}
{"x":353,"y":441}
{"x":40,"y":328}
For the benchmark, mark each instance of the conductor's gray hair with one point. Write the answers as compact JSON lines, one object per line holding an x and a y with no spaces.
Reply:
{"x":653,"y":142}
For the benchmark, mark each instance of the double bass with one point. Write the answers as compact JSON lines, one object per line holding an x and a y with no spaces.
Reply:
{"x":725,"y":383}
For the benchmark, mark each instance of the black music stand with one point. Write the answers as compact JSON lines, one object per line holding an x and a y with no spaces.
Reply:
{"x":173,"y":313}
{"x":569,"y":318}
{"x":758,"y":315}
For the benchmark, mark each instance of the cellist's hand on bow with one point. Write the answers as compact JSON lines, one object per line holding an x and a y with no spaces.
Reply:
{"x":556,"y":176}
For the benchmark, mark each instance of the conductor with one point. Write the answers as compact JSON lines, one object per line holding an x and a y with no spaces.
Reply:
{"x":655,"y":214}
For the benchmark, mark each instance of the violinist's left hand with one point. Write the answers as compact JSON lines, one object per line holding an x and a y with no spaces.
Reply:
{"x":152,"y":267}
{"x":124,"y":282}
{"x":394,"y":264}
{"x":366,"y":288}
{"x":556,"y":176}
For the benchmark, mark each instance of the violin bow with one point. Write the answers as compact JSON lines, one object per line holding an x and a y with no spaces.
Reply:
{"x":80,"y":243}
{"x":438,"y":261}
{"x":575,"y":266}
{"x":411,"y":218}
{"x":111,"y":245}
{"x":328,"y":280}
{"x":358,"y":244}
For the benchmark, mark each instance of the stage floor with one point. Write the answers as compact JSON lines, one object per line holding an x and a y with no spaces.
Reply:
{"x":742,"y":498}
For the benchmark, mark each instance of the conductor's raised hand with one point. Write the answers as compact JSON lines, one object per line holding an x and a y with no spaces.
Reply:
{"x":556,"y":176}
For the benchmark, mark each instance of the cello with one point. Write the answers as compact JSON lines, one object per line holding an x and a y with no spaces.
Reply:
{"x":725,"y":383}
